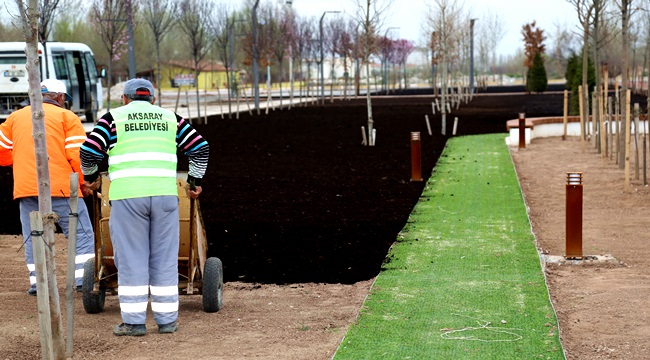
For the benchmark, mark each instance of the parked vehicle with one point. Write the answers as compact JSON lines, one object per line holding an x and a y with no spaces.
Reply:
{"x":72,"y":63}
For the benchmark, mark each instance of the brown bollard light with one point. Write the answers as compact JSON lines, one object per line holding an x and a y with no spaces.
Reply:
{"x":416,"y":158}
{"x":522,"y":130}
{"x":574,"y":215}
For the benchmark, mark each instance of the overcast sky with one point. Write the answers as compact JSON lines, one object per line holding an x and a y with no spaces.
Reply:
{"x":409,"y":16}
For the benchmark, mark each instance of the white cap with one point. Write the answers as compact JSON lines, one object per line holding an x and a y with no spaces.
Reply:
{"x":55,"y":86}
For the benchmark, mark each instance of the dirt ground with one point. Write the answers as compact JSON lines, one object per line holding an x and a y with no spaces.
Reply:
{"x":602,"y":308}
{"x":302,"y":216}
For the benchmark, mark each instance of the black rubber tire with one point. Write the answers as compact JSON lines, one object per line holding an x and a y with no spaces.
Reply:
{"x":212,"y":288}
{"x":93,"y":303}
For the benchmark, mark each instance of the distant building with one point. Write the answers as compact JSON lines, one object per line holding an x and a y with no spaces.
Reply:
{"x":181,"y":73}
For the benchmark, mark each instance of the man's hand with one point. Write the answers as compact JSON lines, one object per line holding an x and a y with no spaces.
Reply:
{"x":193,"y":193}
{"x":91,"y":186}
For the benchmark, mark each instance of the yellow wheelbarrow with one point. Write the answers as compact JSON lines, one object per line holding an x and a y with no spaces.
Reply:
{"x":197,"y":274}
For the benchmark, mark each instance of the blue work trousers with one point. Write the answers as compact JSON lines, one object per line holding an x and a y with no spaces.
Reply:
{"x":85,"y":248}
{"x":145,"y":236}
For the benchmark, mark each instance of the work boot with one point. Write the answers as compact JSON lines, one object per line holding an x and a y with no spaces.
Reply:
{"x":32,"y":290}
{"x":130,"y":330}
{"x":168,"y":328}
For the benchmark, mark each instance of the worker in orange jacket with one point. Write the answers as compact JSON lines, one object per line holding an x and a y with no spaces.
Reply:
{"x":64,"y":134}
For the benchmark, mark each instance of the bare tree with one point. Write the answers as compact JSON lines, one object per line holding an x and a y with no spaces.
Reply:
{"x":221,"y":28}
{"x":584,"y":9}
{"x":346,"y":51}
{"x":281,"y":34}
{"x":646,"y":23}
{"x":598,"y":11}
{"x":289,"y":20}
{"x":370,"y":15}
{"x":105,"y":16}
{"x":334,"y":41}
{"x":627,"y":9}
{"x":8,"y":32}
{"x":443,"y":18}
{"x":496,"y":32}
{"x":160,"y":16}
{"x":562,"y":47}
{"x":403,"y":48}
{"x":28,"y":15}
{"x":303,"y":47}
{"x":48,"y":10}
{"x":385,"y":50}
{"x":194,"y":18}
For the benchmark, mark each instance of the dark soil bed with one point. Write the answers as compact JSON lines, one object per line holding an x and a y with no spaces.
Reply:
{"x":293,"y":196}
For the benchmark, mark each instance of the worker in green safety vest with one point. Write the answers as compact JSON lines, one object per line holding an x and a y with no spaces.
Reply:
{"x":141,"y":140}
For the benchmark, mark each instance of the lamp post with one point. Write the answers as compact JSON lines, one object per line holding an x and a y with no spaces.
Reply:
{"x":385,"y":77}
{"x":322,"y":57}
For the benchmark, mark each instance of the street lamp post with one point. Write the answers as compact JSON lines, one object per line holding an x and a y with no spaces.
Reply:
{"x":322,"y":57}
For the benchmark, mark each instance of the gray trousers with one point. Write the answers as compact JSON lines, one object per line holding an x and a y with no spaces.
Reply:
{"x":145,"y":236}
{"x":85,"y":248}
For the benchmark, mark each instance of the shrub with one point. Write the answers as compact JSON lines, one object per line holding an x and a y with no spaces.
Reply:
{"x":537,"y":80}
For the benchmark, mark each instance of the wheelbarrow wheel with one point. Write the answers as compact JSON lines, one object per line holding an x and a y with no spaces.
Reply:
{"x":93,"y":302}
{"x":212,"y":288}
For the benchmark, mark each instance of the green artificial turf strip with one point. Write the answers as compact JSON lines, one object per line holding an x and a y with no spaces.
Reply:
{"x":463,"y":280}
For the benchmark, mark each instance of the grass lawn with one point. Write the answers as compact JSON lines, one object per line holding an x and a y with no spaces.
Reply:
{"x":463,"y":280}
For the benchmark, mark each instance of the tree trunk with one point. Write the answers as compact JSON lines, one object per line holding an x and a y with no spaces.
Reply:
{"x":443,"y":89}
{"x":585,"y":85}
{"x":371,"y":141}
{"x":30,"y":27}
{"x":158,"y":75}
{"x":625,"y":22}
{"x":198,"y":99}
{"x":597,"y":106}
{"x":109,"y":82}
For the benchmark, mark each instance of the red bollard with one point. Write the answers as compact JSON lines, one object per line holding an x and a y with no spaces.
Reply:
{"x":416,"y":158}
{"x":522,"y":130}
{"x":574,"y":215}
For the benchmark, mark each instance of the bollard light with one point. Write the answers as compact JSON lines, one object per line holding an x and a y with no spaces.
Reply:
{"x":416,"y":158}
{"x":574,"y":215}
{"x":522,"y":130}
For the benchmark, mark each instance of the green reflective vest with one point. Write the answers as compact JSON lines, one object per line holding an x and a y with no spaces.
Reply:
{"x":143,"y":161}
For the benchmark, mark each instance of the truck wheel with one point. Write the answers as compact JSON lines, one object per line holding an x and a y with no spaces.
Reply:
{"x":212,"y":288}
{"x":93,"y":302}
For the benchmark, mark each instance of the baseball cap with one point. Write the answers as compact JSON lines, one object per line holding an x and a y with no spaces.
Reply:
{"x":55,"y":86}
{"x":138,"y":87}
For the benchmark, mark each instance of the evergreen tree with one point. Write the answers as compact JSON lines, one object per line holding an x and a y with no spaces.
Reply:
{"x":574,"y":80}
{"x":537,"y":80}
{"x":570,"y":73}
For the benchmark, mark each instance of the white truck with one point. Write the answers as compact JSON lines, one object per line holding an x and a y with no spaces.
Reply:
{"x":72,"y":63}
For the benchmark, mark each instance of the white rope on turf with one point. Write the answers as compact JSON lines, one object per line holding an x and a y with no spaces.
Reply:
{"x":483,"y":325}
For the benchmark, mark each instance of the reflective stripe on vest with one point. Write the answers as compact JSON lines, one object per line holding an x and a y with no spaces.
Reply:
{"x":143,"y":161}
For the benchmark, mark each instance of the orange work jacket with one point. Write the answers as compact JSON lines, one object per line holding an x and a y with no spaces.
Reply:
{"x":64,"y":133}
